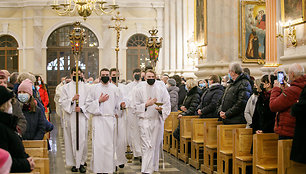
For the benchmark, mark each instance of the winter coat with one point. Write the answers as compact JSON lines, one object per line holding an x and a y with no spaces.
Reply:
{"x":298,"y":151}
{"x":281,"y":102}
{"x":249,"y":109}
{"x":11,"y":142}
{"x":182,"y":94}
{"x":173,"y":92}
{"x":191,"y":102}
{"x":36,"y":124}
{"x":263,"y":118}
{"x":235,"y":99}
{"x":44,"y":96}
{"x":17,"y":111}
{"x":210,"y":100}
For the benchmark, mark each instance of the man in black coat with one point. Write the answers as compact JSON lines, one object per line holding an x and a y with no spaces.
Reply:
{"x":235,"y":96}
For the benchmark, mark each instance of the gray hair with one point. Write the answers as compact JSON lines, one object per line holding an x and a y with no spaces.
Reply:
{"x":296,"y":69}
{"x":236,"y":68}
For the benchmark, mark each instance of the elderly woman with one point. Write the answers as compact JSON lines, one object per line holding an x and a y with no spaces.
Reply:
{"x":10,"y":141}
{"x":190,"y":103}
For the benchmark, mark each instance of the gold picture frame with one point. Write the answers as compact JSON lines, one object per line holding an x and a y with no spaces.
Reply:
{"x":200,"y":22}
{"x":253,"y":33}
{"x":294,"y":11}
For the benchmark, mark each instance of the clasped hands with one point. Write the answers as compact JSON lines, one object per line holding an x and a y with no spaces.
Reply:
{"x":152,"y":101}
{"x":222,"y":115}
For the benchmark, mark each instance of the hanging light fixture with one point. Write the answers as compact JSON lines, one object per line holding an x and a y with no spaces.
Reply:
{"x":83,"y":7}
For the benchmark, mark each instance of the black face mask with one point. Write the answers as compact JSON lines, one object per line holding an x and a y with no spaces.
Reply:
{"x":150,"y":81}
{"x":255,"y":91}
{"x":142,"y":79}
{"x":262,"y":87}
{"x":114,"y":79}
{"x":74,"y":78}
{"x":105,"y":79}
{"x":137,"y":77}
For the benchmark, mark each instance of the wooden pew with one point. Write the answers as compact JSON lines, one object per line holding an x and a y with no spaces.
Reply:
{"x":225,"y":147}
{"x":265,"y":153}
{"x":185,"y":137}
{"x":35,"y":144}
{"x":42,"y":165}
{"x":27,"y":173}
{"x":37,"y":152}
{"x":242,"y":157}
{"x":168,"y":131}
{"x":174,"y":149}
{"x":210,"y":146}
{"x":197,"y":140}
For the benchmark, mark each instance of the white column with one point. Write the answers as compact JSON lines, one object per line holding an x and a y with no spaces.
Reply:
{"x":179,"y":36}
{"x":166,"y":42}
{"x":160,"y":19}
{"x":173,"y":41}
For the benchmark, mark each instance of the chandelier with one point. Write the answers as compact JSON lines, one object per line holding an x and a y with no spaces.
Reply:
{"x":83,"y":7}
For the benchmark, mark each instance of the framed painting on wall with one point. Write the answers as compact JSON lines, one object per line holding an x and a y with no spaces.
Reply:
{"x":293,"y":12}
{"x":253,"y":24}
{"x":200,"y":22}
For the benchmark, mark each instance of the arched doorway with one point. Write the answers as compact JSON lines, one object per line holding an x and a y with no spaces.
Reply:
{"x":60,"y":58}
{"x":9,"y":53}
{"x":137,"y":55}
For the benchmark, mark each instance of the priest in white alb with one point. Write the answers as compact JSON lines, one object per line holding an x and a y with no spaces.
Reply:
{"x":75,"y":158}
{"x":104,"y":104}
{"x":151,"y":115}
{"x":133,"y":133}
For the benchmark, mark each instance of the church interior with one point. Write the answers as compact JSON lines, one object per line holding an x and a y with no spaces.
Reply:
{"x":189,"y":38}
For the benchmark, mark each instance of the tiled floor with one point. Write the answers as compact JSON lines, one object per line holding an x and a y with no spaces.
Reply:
{"x":57,"y":158}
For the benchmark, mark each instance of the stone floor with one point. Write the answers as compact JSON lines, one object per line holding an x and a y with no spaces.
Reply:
{"x":57,"y":158}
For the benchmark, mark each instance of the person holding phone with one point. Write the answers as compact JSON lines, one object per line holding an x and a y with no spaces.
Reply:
{"x":283,"y":97}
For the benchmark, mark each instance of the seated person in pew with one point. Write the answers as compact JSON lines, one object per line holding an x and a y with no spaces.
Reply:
{"x":211,"y":98}
{"x":5,"y":161}
{"x":298,"y":152}
{"x":236,"y":95}
{"x":35,"y":119}
{"x":173,"y":92}
{"x":10,"y":141}
{"x":190,"y":103}
{"x":283,"y":97}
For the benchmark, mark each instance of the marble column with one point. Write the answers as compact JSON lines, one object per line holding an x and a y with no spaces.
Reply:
{"x":166,"y":42}
{"x":173,"y":39}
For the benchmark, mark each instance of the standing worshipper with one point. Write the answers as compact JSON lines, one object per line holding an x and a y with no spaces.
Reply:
{"x":103,"y":103}
{"x":122,"y":119}
{"x":75,"y":158}
{"x":133,"y":136}
{"x":151,"y":119}
{"x":41,"y":88}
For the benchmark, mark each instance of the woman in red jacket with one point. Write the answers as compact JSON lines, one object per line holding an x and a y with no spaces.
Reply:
{"x":41,"y":87}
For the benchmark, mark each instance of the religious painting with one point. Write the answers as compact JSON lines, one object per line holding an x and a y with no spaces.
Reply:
{"x":200,"y":22}
{"x":293,"y":11}
{"x":253,"y":31}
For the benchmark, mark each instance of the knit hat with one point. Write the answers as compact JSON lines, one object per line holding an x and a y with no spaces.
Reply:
{"x":26,"y":86}
{"x":5,"y":95}
{"x":2,"y":75}
{"x":172,"y":82}
{"x":5,"y":162}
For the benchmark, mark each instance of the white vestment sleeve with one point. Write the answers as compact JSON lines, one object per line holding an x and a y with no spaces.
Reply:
{"x":92,"y":103}
{"x":166,"y":104}
{"x":140,"y":106}
{"x":66,"y":101}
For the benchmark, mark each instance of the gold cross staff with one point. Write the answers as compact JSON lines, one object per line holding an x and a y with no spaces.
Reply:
{"x":118,"y":29}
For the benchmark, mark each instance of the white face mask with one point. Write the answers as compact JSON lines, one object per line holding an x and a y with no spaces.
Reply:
{"x":23,"y":97}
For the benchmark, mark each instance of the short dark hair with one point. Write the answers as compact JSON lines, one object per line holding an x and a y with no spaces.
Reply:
{"x":112,"y":69}
{"x":104,"y":69}
{"x":136,"y":70}
{"x":268,"y":79}
{"x":151,"y":71}
{"x":178,"y":79}
{"x":214,"y":78}
{"x":74,"y":70}
{"x":247,"y":71}
{"x":13,"y":77}
{"x":148,"y":67}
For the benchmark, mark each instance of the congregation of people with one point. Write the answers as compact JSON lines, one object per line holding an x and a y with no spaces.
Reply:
{"x":120,"y":114}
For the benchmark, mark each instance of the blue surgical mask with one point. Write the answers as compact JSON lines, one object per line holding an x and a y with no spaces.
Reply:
{"x":229,"y":76}
{"x":23,"y":97}
{"x":186,"y":88}
{"x":201,"y":85}
{"x":8,"y":79}
{"x":90,"y":82}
